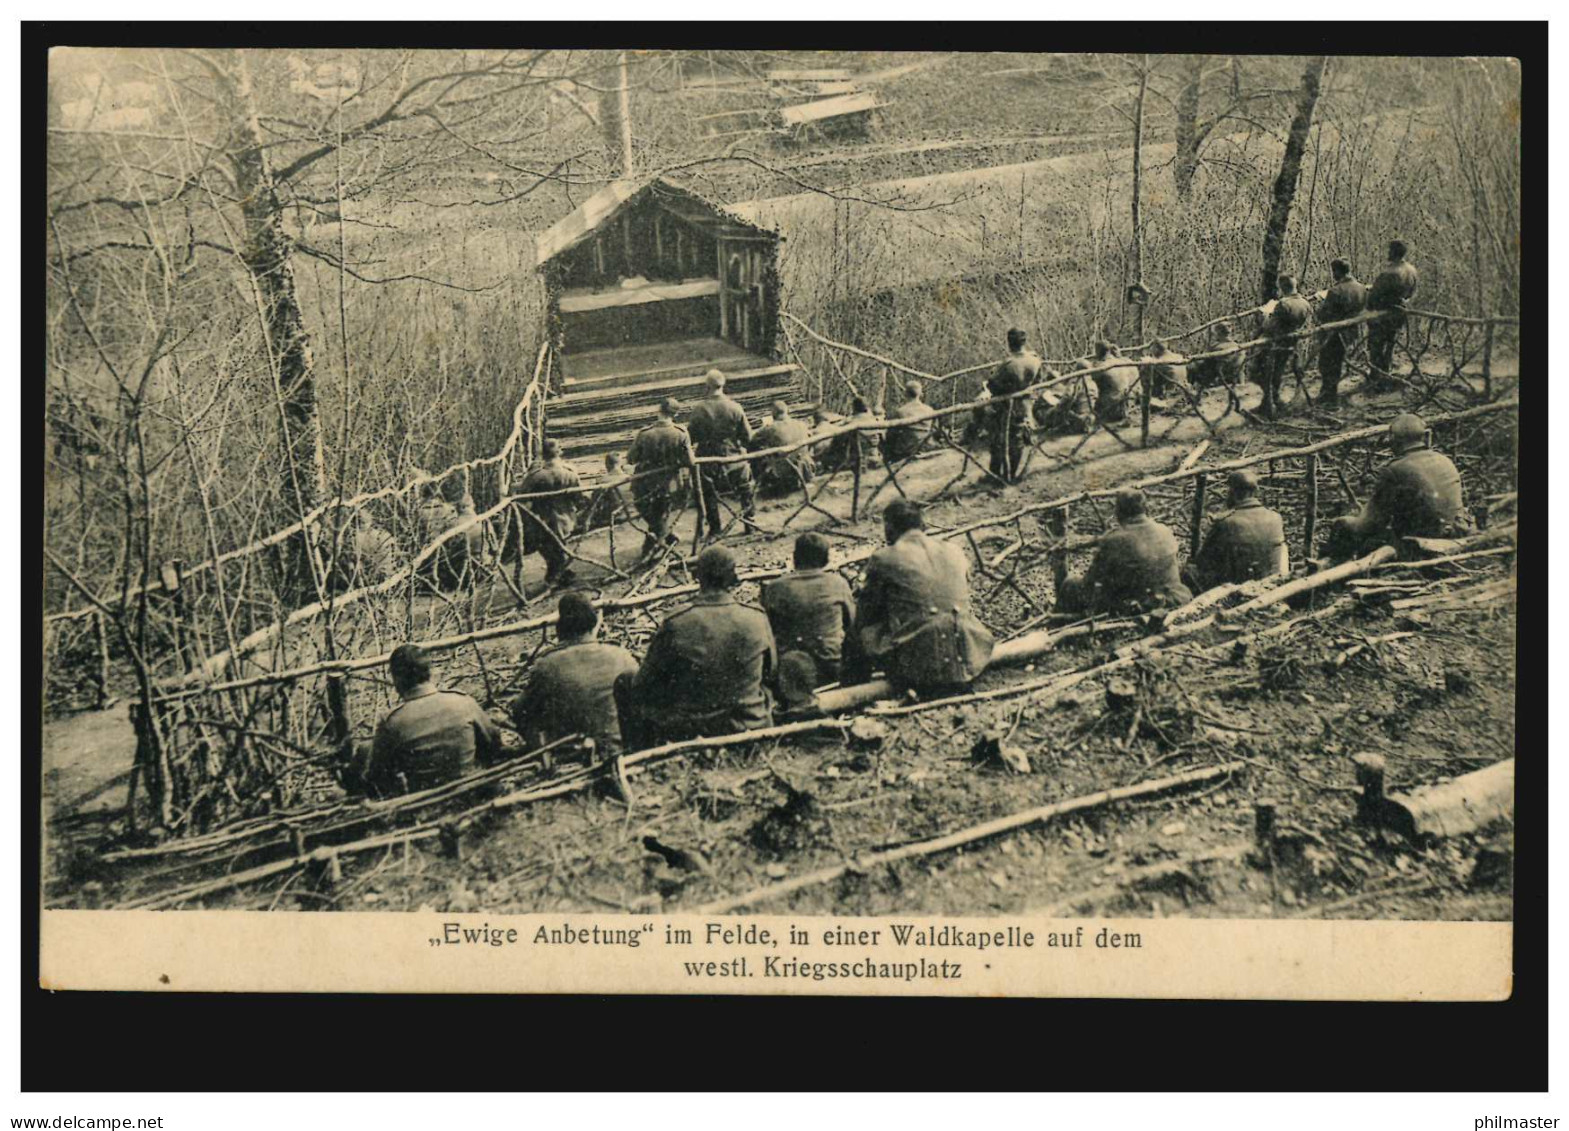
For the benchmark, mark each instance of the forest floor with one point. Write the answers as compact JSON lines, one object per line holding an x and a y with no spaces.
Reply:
{"x":1436,"y":703}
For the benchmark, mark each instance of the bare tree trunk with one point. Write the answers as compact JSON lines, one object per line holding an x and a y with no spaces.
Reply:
{"x":1290,"y":171}
{"x":1188,"y":126}
{"x":268,"y":256}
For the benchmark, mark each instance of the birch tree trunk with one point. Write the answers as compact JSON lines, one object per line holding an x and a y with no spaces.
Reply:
{"x":268,"y":257}
{"x":1290,"y":172}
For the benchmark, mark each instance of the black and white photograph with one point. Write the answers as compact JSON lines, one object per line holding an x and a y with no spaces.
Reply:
{"x":962,"y":490}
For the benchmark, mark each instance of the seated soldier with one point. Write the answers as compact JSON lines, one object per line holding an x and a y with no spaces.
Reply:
{"x":1417,"y":495}
{"x":1246,"y":543}
{"x":908,"y":439}
{"x":809,"y":611}
{"x":1224,"y":369}
{"x":1135,"y":567}
{"x":1114,"y":387}
{"x":361,"y":552}
{"x":609,"y":502}
{"x":433,"y":519}
{"x":843,"y":449}
{"x":571,"y":688}
{"x":824,"y":419}
{"x":913,"y":614}
{"x":460,"y":555}
{"x":1170,"y":377}
{"x":547,"y":520}
{"x":708,"y":667}
{"x":787,"y":471}
{"x":431,"y":738}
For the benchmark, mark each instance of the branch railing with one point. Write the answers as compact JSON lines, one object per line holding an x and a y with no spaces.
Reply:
{"x":265,"y":736}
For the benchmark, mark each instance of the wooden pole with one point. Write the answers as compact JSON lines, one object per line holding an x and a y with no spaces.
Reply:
{"x":1058,"y":523}
{"x":855,"y":494}
{"x":1487,"y":362}
{"x":101,"y":637}
{"x":1310,"y":523}
{"x":338,"y":704}
{"x":1196,"y":535}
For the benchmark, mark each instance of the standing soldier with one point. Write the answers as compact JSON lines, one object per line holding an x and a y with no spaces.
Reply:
{"x":548,"y":522}
{"x":1290,"y":314}
{"x":1394,"y":287}
{"x":1346,"y":299}
{"x":1010,"y":417}
{"x":708,"y":667}
{"x":907,"y":440}
{"x":658,"y":455}
{"x":719,"y":428}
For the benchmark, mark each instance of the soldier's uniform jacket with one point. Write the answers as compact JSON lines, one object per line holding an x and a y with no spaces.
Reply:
{"x":1111,"y":387}
{"x":1135,"y":564}
{"x":1227,"y":367}
{"x":718,"y":426}
{"x":432,"y":737}
{"x":1290,"y":315}
{"x":571,"y":690}
{"x":660,"y":446}
{"x":1395,"y":286}
{"x":1346,"y":299}
{"x":1417,"y":495}
{"x":907,"y":439}
{"x":558,"y":511}
{"x":810,"y":610}
{"x":1019,"y":372}
{"x":374,"y":550}
{"x":913,"y":613}
{"x":1245,"y":544}
{"x":434,"y":517}
{"x":465,"y":547}
{"x":779,"y":434}
{"x":1172,"y":370}
{"x":706,"y":667}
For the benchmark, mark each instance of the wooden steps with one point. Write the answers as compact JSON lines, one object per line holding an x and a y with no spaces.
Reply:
{"x":608,"y":395}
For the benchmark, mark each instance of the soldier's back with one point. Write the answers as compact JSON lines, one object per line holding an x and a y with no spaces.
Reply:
{"x":807,"y":609}
{"x":1395,"y":284}
{"x":572,"y":691}
{"x":1346,"y":299}
{"x":706,"y":666}
{"x":1252,"y":536}
{"x":433,"y":738}
{"x":1420,"y":494}
{"x":1138,"y":562}
{"x":717,"y":425}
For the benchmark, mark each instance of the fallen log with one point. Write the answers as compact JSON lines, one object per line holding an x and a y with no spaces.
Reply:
{"x":1318,"y":580}
{"x":967,"y":836}
{"x":1010,"y":653}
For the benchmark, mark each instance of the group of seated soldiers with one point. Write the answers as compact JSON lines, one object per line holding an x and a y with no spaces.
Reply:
{"x":721,"y":665}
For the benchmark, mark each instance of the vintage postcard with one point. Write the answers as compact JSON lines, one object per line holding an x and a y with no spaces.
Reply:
{"x":779,"y":521}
